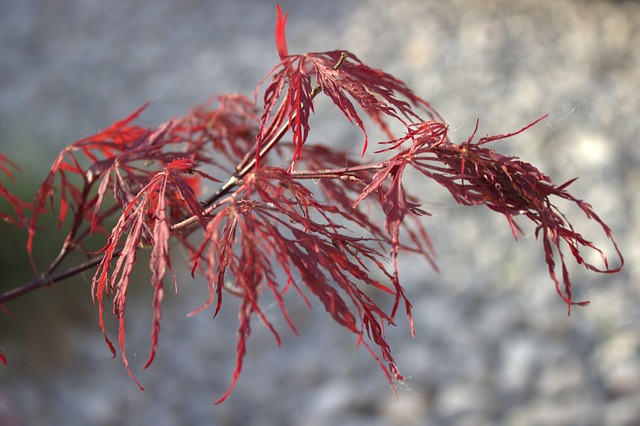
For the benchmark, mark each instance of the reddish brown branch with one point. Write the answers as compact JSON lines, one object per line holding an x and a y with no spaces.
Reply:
{"x":46,"y":281}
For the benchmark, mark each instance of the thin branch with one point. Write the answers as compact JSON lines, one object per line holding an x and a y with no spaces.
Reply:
{"x":46,"y":281}
{"x":345,"y":173}
{"x":75,"y":226}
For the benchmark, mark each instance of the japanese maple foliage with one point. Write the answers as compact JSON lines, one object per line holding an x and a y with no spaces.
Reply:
{"x":18,"y":206}
{"x":266,"y":228}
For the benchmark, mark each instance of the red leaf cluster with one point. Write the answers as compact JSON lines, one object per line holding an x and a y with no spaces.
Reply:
{"x":333,"y":227}
{"x":282,"y":222}
{"x":146,"y":221}
{"x":344,"y":79}
{"x":19,"y":207}
{"x":476,"y":175}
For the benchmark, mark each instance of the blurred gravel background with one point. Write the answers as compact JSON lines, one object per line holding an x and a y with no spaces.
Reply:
{"x":494,"y":344}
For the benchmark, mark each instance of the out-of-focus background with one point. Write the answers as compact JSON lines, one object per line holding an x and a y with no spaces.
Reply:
{"x":493,"y":342}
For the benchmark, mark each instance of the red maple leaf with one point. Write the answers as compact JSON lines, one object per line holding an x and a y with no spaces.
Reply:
{"x":19,"y":207}
{"x":145,"y":221}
